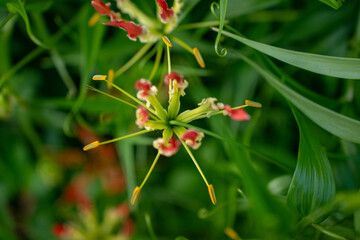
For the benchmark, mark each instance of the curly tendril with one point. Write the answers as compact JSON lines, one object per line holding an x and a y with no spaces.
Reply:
{"x":222,"y":8}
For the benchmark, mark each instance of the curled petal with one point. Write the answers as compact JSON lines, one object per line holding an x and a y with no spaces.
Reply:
{"x":237,"y":114}
{"x":133,"y":30}
{"x":104,"y":9}
{"x":166,"y":12}
{"x":192,"y":138}
{"x":142,"y":116}
{"x":145,"y":89}
{"x":167,"y":149}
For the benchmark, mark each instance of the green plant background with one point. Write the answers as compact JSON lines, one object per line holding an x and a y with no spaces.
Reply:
{"x":292,"y":172}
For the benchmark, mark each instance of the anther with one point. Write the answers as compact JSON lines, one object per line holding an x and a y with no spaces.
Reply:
{"x":94,"y":19}
{"x":198,"y":57}
{"x":135,"y":195}
{"x":110,"y":78}
{"x":253,"y":104}
{"x":166,"y":41}
{"x":91,"y":146}
{"x":99,"y":77}
{"x":212,"y":193}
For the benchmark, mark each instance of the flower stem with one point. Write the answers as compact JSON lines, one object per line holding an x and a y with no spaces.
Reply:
{"x":284,"y":165}
{"x":198,"y":25}
{"x":111,"y":96}
{"x":130,"y":96}
{"x":133,"y":60}
{"x":157,"y":62}
{"x":168,"y":59}
{"x":124,"y":137}
{"x":183,"y":44}
{"x":194,"y":160}
{"x":150,"y":170}
{"x":220,"y":112}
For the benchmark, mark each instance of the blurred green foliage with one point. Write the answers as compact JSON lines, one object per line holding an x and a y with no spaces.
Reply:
{"x":305,"y":137}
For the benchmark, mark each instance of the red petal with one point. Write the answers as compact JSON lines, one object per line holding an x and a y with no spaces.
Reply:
{"x":166,"y":12}
{"x":237,"y":114}
{"x":143,"y":84}
{"x":133,"y":30}
{"x":173,"y":75}
{"x":101,"y":8}
{"x":59,"y":230}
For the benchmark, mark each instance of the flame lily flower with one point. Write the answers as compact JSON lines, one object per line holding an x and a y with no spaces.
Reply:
{"x":153,"y":117}
{"x":143,"y":27}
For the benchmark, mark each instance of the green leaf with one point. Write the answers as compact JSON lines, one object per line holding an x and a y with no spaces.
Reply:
{"x":223,"y":4}
{"x":16,"y":6}
{"x":271,"y":215}
{"x":340,"y":67}
{"x":336,"y":4}
{"x":336,"y":123}
{"x":313,"y":183}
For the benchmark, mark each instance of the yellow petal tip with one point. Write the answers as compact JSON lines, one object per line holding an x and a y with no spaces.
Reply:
{"x":198,"y":57}
{"x":99,"y":77}
{"x":135,"y":195}
{"x":212,"y":194}
{"x":253,"y":104}
{"x":166,"y":41}
{"x":110,"y":78}
{"x":91,"y":146}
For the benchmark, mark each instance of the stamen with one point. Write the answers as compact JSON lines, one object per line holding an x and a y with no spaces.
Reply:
{"x":198,"y":57}
{"x":253,"y":104}
{"x":194,"y":160}
{"x":166,"y":41}
{"x":150,"y":170}
{"x":99,"y":77}
{"x":212,"y":194}
{"x":124,"y":137}
{"x":91,"y":146}
{"x":231,"y":233}
{"x":135,"y":195}
{"x":94,"y":19}
{"x":110,"y":78}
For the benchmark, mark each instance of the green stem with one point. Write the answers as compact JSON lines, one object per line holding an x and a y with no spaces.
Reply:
{"x":194,"y":160}
{"x":168,"y":59}
{"x":150,"y":170}
{"x":289,"y":168}
{"x":133,"y":60}
{"x":183,"y":44}
{"x":157,"y":61}
{"x":11,"y":15}
{"x":111,"y":96}
{"x":124,"y":137}
{"x":37,"y":51}
{"x":131,"y":97}
{"x":198,"y":25}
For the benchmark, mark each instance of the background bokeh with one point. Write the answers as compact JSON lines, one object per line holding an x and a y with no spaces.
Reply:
{"x":47,"y":115}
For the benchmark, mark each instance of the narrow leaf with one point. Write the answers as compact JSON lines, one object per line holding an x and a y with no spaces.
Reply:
{"x":16,"y":6}
{"x":340,"y":67}
{"x":336,"y":123}
{"x":223,"y":5}
{"x":313,"y":183}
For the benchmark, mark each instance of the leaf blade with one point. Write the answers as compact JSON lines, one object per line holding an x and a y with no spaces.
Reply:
{"x":340,"y":67}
